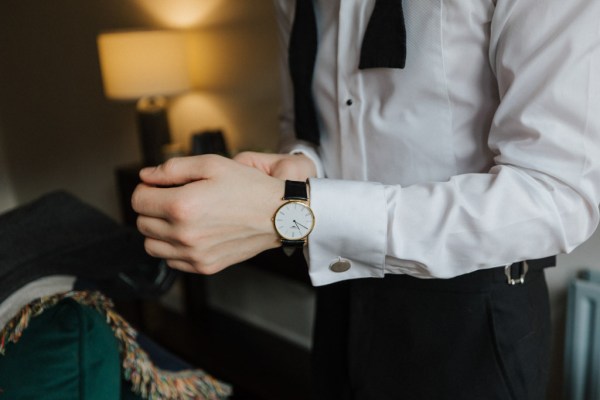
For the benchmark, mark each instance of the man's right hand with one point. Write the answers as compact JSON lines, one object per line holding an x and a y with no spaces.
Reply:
{"x":296,"y":167}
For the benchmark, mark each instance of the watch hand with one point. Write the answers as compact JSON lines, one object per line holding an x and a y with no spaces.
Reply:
{"x":298,"y":223}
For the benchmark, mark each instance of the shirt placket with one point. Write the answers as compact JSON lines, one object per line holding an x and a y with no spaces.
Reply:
{"x":352,"y":156}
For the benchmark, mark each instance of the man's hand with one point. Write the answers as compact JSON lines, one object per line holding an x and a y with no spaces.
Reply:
{"x":295,"y":167}
{"x":205,"y":213}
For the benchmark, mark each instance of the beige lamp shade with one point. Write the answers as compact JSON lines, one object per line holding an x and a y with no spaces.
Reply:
{"x":143,"y":63}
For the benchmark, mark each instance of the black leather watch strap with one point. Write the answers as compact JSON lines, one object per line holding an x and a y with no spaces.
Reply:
{"x":292,"y":243}
{"x":290,"y":246}
{"x":295,"y":190}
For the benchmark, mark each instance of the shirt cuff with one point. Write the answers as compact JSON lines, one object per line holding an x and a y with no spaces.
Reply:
{"x":350,"y":234}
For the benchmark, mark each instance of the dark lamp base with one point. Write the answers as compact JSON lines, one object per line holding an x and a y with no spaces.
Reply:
{"x":153,"y":128}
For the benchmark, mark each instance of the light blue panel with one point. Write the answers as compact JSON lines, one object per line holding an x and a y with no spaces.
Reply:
{"x":582,"y":347}
{"x":591,"y":276}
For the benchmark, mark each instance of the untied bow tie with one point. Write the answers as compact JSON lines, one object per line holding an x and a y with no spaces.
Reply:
{"x":383,"y":46}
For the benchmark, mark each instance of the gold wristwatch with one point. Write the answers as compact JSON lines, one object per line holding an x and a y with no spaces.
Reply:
{"x":294,"y":220}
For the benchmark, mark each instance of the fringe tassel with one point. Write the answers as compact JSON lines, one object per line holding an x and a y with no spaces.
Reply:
{"x":146,"y":379}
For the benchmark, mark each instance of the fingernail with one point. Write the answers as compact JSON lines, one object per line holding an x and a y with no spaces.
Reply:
{"x":147,"y":170}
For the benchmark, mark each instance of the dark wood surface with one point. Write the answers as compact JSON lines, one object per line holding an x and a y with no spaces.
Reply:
{"x":259,"y":365}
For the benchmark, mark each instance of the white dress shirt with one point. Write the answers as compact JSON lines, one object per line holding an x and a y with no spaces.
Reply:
{"x":483,"y":151}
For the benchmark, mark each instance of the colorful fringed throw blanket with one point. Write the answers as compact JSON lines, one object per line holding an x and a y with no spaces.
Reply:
{"x":146,"y":379}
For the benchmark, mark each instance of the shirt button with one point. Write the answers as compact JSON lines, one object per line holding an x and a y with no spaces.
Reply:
{"x":349,"y":102}
{"x":340,"y":266}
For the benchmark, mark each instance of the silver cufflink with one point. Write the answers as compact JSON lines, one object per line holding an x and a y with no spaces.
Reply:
{"x":340,"y":265}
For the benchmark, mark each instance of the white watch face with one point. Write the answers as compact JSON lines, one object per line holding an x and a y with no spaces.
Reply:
{"x":294,"y":220}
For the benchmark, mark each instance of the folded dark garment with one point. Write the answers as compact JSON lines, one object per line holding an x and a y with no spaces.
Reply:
{"x":60,"y":235}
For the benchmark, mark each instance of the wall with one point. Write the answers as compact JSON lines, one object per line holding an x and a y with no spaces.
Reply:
{"x":587,"y":256}
{"x":59,"y":131}
{"x":7,"y":196}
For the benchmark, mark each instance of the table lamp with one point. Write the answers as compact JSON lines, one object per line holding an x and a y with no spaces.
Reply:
{"x":146,"y":66}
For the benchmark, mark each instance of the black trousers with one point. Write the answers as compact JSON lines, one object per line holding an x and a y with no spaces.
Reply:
{"x":469,"y":338}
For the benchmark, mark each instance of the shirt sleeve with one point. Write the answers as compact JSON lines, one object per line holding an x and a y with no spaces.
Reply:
{"x":539,"y":199}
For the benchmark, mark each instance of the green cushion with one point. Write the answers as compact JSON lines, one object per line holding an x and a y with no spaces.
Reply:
{"x":67,"y":352}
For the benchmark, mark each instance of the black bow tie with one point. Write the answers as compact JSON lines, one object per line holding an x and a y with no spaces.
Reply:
{"x":383,"y":46}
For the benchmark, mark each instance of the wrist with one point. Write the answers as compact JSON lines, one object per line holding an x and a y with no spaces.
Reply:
{"x":273,"y":200}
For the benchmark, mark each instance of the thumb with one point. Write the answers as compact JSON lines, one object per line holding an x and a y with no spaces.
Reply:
{"x":176,"y":171}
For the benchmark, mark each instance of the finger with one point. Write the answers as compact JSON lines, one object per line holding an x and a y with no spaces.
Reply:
{"x":182,"y":170}
{"x":161,"y":249}
{"x":181,"y":266}
{"x":155,"y":228}
{"x":152,"y":201}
